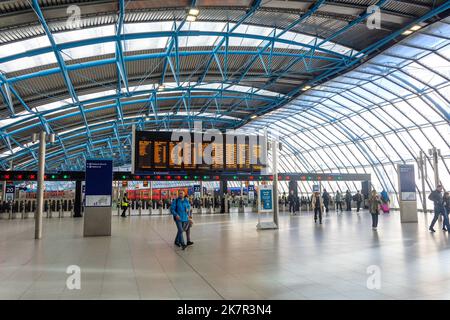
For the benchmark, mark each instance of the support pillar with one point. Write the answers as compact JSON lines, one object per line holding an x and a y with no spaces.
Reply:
{"x":275,"y":145}
{"x":435,"y":152}
{"x":40,"y":188}
{"x":423,"y":177}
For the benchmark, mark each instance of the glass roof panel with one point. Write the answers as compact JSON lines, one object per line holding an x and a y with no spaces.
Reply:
{"x":28,"y":62}
{"x":92,"y":50}
{"x":83,"y":34}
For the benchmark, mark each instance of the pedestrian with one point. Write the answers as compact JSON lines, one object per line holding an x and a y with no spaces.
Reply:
{"x":180,"y":211}
{"x":187,"y":226}
{"x":358,"y":198}
{"x":385,"y":201}
{"x":326,"y":200}
{"x":446,"y":199}
{"x":124,"y":204}
{"x":374,"y":208}
{"x":317,"y":206}
{"x":292,"y":202}
{"x":348,"y":200}
{"x":338,"y":201}
{"x":438,"y":200}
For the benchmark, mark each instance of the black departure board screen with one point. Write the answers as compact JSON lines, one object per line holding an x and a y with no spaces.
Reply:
{"x":166,"y":151}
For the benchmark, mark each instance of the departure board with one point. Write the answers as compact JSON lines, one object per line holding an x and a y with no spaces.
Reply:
{"x":160,"y":151}
{"x":160,"y":155}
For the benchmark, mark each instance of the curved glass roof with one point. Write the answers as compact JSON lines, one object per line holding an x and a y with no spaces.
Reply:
{"x":383,"y":113}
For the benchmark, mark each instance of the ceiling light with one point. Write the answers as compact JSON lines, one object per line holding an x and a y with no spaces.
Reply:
{"x":407,"y":32}
{"x":147,"y":119}
{"x":416,"y":27}
{"x":161,"y":87}
{"x":194,"y":11}
{"x":253,"y":116}
{"x":191,"y":18}
{"x":306,"y":88}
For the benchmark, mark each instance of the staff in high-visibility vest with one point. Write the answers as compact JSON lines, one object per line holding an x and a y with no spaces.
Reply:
{"x":124,"y":205}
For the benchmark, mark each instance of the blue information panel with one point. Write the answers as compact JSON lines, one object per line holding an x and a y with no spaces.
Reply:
{"x":99,"y":177}
{"x":407,"y":182}
{"x":266,"y":199}
{"x":316,"y":188}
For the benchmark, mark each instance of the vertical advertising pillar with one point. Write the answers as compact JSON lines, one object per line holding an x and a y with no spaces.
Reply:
{"x":78,"y":197}
{"x":98,"y":198}
{"x":407,"y":193}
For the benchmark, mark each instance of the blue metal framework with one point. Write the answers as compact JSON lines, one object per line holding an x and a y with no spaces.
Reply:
{"x":225,"y":86}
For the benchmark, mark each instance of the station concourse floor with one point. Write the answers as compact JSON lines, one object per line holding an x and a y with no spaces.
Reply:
{"x":229,"y":260}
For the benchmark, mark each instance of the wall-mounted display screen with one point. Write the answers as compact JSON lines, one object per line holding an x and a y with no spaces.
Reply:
{"x":160,"y":151}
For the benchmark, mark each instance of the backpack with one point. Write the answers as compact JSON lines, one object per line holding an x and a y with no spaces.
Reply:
{"x":432,"y":196}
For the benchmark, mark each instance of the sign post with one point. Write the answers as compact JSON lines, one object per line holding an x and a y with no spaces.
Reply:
{"x":268,"y":195}
{"x":98,"y":198}
{"x":407,"y":188}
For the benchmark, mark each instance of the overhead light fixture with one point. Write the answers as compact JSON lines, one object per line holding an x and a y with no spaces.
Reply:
{"x":194,"y":12}
{"x":161,"y":87}
{"x":147,"y":119}
{"x":416,"y":28}
{"x":306,"y":88}
{"x":191,"y":18}
{"x":254,"y":116}
{"x":407,"y":32}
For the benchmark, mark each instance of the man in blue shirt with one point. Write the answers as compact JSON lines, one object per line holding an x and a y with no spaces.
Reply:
{"x":180,"y":208}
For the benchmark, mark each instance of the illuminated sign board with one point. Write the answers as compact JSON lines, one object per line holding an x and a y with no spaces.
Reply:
{"x":187,"y":152}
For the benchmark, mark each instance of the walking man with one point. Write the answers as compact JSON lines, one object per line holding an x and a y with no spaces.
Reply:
{"x":348,"y":200}
{"x":292,"y":202}
{"x":358,"y":199}
{"x":438,"y":200}
{"x":124,"y":205}
{"x":326,"y":200}
{"x":338,"y":201}
{"x":317,"y":206}
{"x":180,"y":209}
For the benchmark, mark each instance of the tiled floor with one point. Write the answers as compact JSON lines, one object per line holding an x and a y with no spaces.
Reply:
{"x":230,"y":259}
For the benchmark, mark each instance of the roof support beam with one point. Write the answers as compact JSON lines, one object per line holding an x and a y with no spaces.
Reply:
{"x":61,"y":63}
{"x":120,"y":62}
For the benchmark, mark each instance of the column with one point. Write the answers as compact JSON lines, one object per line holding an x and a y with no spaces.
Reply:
{"x":40,"y":188}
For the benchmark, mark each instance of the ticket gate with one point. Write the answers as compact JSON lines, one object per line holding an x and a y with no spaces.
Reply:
{"x":140,"y":207}
{"x":25,"y":208}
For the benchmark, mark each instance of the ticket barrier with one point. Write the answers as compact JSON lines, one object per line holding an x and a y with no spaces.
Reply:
{"x":142,"y":207}
{"x":24,"y":208}
{"x":58,"y":207}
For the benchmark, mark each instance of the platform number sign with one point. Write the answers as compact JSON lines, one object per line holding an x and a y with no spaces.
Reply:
{"x":10,"y":192}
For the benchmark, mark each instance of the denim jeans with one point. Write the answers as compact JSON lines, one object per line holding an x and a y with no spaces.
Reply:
{"x":318,"y":211}
{"x":179,"y":238}
{"x":374,"y":220}
{"x":437,"y":212}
